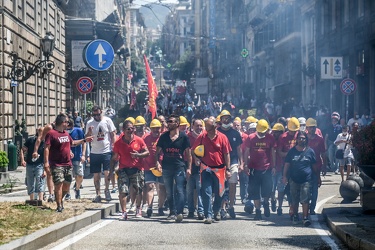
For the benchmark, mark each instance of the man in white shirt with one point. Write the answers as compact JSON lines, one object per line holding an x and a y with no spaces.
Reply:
{"x":354,"y":119}
{"x":103,"y":131}
{"x":343,"y":142}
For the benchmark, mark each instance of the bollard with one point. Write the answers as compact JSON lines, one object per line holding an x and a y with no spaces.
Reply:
{"x":12,"y":156}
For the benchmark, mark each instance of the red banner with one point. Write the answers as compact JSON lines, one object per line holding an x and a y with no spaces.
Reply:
{"x":152,"y":89}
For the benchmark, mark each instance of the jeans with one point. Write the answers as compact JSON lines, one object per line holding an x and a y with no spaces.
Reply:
{"x":194,"y":182}
{"x":332,"y":155}
{"x":210,"y":184}
{"x":244,"y":182}
{"x":169,"y":177}
{"x":314,"y":192}
{"x":34,"y":180}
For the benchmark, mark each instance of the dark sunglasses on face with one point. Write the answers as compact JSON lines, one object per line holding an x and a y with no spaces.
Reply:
{"x":132,"y":128}
{"x":170,"y":121}
{"x":96,"y":114}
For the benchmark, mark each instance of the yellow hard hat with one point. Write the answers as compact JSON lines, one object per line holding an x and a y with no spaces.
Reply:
{"x":217,"y":118}
{"x":224,"y":112}
{"x":311,"y":123}
{"x":155,"y":124}
{"x":199,"y":151}
{"x":139,"y":120}
{"x":293,"y":124}
{"x":237,"y":119}
{"x":278,"y":127}
{"x":262,"y":126}
{"x":156,"y":172}
{"x":130,"y":119}
{"x":251,"y":119}
{"x":183,"y":121}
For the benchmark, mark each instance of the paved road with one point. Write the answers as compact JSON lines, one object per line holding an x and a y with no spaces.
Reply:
{"x":276,"y":232}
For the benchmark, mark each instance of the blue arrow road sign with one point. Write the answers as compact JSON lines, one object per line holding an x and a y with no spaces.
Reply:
{"x":99,"y":55}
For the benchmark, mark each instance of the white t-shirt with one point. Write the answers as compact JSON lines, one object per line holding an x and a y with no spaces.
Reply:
{"x":348,"y":149}
{"x":101,"y":132}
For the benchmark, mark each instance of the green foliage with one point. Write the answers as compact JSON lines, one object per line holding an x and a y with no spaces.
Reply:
{"x":89,"y":105}
{"x":184,"y":67}
{"x":364,"y":143}
{"x":4,"y":161}
{"x":138,"y":69}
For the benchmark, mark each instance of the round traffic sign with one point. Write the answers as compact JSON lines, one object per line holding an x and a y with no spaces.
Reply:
{"x":85,"y":85}
{"x":98,"y":55}
{"x":348,"y":86}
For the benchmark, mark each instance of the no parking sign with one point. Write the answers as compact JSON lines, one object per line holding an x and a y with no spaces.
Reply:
{"x":348,"y":86}
{"x":85,"y":85}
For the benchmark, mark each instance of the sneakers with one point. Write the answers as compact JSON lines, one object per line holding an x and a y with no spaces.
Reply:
{"x":144,"y":209}
{"x":138,"y":213}
{"x":59,"y":209}
{"x":51,"y":198}
{"x":273,"y":205}
{"x":231,"y":212}
{"x":208,"y":221}
{"x":67,"y":197}
{"x":78,"y":194}
{"x":266,"y":207}
{"x":223,"y":214}
{"x":217,"y":216}
{"x":200,"y":216}
{"x":114,"y":190}
{"x":124,"y":216}
{"x":258,"y":214}
{"x":179,"y":218}
{"x":306,"y":222}
{"x":191,"y":215}
{"x":337,"y":171}
{"x":279,"y":211}
{"x":171,"y":217}
{"x":132,"y":208}
{"x":107,"y":195}
{"x":161,"y":211}
{"x":98,"y":199}
{"x":295,"y":219}
{"x":149,"y":212}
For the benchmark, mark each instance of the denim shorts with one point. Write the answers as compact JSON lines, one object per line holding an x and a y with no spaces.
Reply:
{"x":77,"y":168}
{"x":300,"y":192}
{"x":278,"y":182}
{"x":151,"y":178}
{"x":345,"y":161}
{"x":133,"y":177}
{"x":97,"y":160}
{"x":34,"y":180}
{"x":234,"y":174}
{"x":61,"y":174}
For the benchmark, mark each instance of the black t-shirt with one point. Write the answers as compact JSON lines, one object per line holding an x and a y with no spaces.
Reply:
{"x":173,"y":151}
{"x":30,"y":144}
{"x":301,"y":168}
{"x":235,"y":140}
{"x":333,"y":131}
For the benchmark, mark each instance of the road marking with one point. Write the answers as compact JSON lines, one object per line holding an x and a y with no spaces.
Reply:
{"x":78,"y":237}
{"x":318,"y":228}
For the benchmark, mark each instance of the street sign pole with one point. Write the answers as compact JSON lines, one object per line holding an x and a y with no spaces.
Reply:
{"x":84,"y":104}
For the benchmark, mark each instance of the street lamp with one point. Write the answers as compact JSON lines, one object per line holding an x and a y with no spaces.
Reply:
{"x":22,"y":70}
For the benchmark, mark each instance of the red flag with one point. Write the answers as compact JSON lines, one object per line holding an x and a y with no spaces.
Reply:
{"x":152,"y":89}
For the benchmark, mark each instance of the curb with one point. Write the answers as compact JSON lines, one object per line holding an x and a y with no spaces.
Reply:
{"x":46,"y":236}
{"x":343,"y":228}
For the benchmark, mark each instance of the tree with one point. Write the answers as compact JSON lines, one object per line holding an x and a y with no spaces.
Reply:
{"x":138,"y":68}
{"x":184,"y":67}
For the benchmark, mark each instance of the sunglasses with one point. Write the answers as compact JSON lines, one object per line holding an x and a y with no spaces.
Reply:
{"x":170,"y":121}
{"x":132,"y":128}
{"x":96,"y":114}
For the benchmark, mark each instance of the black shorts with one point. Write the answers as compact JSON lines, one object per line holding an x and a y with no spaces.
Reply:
{"x":260,"y":184}
{"x":99,"y":162}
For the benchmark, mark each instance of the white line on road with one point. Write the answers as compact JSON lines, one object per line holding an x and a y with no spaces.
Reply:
{"x":318,"y":228}
{"x":78,"y":237}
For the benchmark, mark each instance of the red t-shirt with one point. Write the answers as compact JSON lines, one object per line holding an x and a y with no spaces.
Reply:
{"x":123,"y":150}
{"x":149,"y":161}
{"x":285,"y":142}
{"x":59,"y":152}
{"x":214,"y":149}
{"x":317,"y":144}
{"x":317,"y":132}
{"x":260,"y":151}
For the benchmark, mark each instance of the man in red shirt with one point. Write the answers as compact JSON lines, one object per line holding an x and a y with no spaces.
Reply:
{"x":129,"y":150}
{"x":260,"y":146}
{"x":214,"y":163}
{"x":316,"y":142}
{"x":149,"y":162}
{"x":57,"y":157}
{"x":285,"y":142}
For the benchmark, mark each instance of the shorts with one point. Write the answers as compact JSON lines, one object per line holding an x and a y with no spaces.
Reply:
{"x":234,"y":174}
{"x":278,"y":183}
{"x":61,"y":174}
{"x":260,"y":184}
{"x":77,"y":168}
{"x":151,"y":178}
{"x":34,"y":181}
{"x":97,"y":160}
{"x":130,"y":176}
{"x":345,"y":161}
{"x":300,"y":192}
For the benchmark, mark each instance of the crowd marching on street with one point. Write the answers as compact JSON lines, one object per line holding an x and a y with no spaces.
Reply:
{"x":195,"y":162}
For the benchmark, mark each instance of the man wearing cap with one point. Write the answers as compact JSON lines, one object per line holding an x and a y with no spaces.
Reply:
{"x":260,"y":146}
{"x":285,"y":142}
{"x":277,"y":174}
{"x":315,"y":142}
{"x":150,"y":179}
{"x":332,"y":131}
{"x":174,"y":144}
{"x":214,"y":160}
{"x":250,"y":124}
{"x":194,"y":182}
{"x":236,"y":157}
